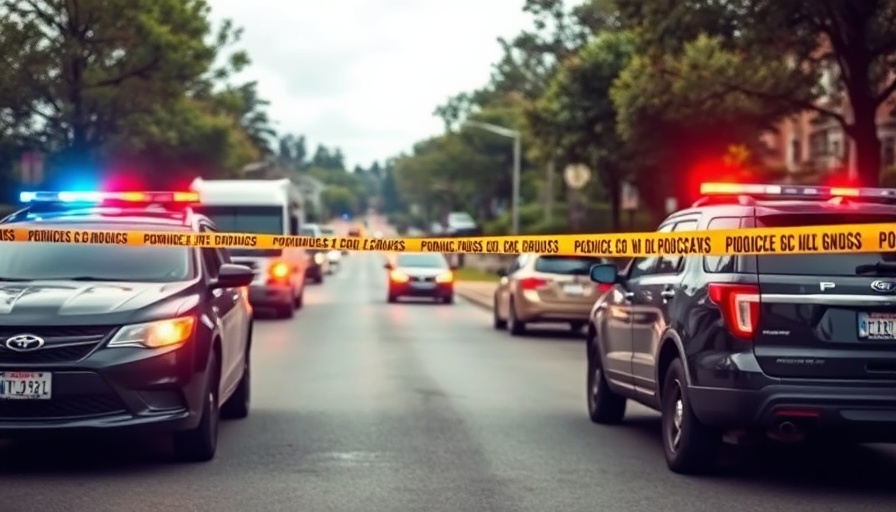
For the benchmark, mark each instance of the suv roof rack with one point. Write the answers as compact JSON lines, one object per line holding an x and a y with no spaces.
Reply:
{"x":168,"y":204}
{"x":747,"y":194}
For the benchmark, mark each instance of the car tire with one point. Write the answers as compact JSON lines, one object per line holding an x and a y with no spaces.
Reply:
{"x":392,"y":299}
{"x":604,"y":406}
{"x":200,"y":444}
{"x":515,"y":327}
{"x":576,"y":326}
{"x":299,"y":301}
{"x":448,"y":300}
{"x":286,"y":311}
{"x":497,"y":322}
{"x":690,"y":447}
{"x":237,"y":406}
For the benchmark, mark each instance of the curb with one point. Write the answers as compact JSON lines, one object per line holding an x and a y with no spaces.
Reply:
{"x":477,"y":299}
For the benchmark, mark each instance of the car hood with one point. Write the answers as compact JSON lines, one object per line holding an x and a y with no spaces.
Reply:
{"x":68,"y":298}
{"x":423,"y":271}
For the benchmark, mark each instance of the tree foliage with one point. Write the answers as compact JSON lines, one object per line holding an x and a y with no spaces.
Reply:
{"x":127,"y":85}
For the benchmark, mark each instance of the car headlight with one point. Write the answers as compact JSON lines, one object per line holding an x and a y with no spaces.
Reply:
{"x":318,"y":257}
{"x":162,"y":333}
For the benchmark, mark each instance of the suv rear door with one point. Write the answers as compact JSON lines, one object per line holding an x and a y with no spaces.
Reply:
{"x":818,"y":317}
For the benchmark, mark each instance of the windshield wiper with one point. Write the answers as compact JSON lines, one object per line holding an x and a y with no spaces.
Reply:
{"x":881,"y":267}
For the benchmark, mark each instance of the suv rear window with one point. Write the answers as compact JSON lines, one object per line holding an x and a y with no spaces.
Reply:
{"x":566,"y":265}
{"x":819,"y":264}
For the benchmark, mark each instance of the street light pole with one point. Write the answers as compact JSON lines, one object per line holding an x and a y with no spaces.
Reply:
{"x":515,"y":202}
{"x":517,"y":164}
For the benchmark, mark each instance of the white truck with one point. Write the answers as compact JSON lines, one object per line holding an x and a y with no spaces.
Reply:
{"x":272,"y":207}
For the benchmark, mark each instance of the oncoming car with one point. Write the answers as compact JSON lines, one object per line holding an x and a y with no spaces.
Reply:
{"x":118,"y":337}
{"x":423,"y":274}
{"x":334,"y":256}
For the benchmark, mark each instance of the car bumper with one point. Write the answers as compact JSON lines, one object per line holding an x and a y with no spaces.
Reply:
{"x":406,"y":290}
{"x":126,"y":389}
{"x":269,"y":295}
{"x":863,"y":410}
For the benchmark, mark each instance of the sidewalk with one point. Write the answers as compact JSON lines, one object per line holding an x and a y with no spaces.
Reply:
{"x":479,"y":293}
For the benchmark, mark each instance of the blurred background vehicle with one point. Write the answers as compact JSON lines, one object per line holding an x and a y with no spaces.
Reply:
{"x":461,"y":224}
{"x":420,"y":275}
{"x":334,"y":256}
{"x":318,"y":264}
{"x":546,"y":288}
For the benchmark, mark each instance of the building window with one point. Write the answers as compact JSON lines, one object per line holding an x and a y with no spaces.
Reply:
{"x":796,"y":155}
{"x":888,"y":152}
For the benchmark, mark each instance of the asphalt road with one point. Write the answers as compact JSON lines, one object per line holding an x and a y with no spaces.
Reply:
{"x":362,"y":405}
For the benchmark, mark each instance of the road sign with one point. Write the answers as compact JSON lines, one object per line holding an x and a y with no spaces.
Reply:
{"x":629,"y":197}
{"x":576,"y":176}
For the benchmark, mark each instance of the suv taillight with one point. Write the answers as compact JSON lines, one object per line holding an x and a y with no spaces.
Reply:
{"x":532,"y":283}
{"x":739,"y":304}
{"x":278,"y":271}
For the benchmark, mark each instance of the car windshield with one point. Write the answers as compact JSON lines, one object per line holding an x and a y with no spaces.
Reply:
{"x":566,"y":265}
{"x":843,"y":264}
{"x":36,"y":261}
{"x":266,"y":220}
{"x":328,"y":231}
{"x":421,"y":260}
{"x":308,"y":231}
{"x":460,"y":217}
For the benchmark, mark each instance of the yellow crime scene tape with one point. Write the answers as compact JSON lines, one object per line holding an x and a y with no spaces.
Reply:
{"x":799,"y":240}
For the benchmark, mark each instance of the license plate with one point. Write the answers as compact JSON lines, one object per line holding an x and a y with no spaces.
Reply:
{"x":573,"y":289}
{"x":26,"y":385}
{"x":423,"y":286}
{"x":877,"y":326}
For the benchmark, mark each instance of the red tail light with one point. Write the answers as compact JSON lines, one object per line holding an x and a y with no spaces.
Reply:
{"x":603,"y":288}
{"x":532,"y":283}
{"x":739,"y":304}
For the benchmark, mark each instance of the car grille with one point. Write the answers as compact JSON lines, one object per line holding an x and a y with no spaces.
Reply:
{"x":65,"y":407}
{"x":418,"y":279}
{"x":61,"y":344}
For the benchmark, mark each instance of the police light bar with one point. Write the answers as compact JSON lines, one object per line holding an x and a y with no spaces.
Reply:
{"x":101,"y":197}
{"x":804,"y":191}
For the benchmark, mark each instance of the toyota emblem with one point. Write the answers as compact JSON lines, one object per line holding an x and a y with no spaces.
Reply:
{"x":24,"y":342}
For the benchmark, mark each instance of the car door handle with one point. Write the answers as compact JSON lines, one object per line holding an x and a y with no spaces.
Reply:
{"x":667,"y":294}
{"x":629,"y":295}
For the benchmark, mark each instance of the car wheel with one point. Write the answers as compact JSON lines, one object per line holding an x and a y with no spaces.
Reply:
{"x":515,"y":327}
{"x":448,"y":300}
{"x":391,"y":299}
{"x":299,"y":301}
{"x":285,"y":310}
{"x":201,"y":443}
{"x":576,"y":326}
{"x":237,"y":406}
{"x":497,"y":321}
{"x":604,"y":406}
{"x":690,"y":446}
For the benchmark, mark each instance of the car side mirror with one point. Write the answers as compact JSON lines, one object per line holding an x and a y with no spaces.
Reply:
{"x":388,"y":266}
{"x":233,"y":276}
{"x":604,"y":274}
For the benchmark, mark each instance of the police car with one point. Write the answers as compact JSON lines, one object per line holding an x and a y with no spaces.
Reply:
{"x":791,"y":347}
{"x":100,"y":337}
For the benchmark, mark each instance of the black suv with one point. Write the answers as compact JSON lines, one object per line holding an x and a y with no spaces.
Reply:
{"x":97,"y":337}
{"x":788,"y":346}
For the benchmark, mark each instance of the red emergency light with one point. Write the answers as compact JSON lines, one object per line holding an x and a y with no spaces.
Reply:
{"x":794,"y":191}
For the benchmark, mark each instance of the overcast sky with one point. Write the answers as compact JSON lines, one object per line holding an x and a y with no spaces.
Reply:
{"x":365,"y":75}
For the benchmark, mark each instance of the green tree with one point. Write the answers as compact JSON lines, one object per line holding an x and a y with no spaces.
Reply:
{"x":339,"y":200}
{"x":576,"y":119}
{"x":678,"y":121}
{"x":127,"y":83}
{"x":854,"y":40}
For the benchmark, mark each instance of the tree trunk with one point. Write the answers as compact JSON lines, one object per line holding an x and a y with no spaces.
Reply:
{"x":867,"y":141}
